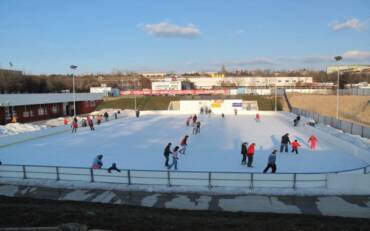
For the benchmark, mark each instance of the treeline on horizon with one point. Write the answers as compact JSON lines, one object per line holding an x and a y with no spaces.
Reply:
{"x":17,"y":82}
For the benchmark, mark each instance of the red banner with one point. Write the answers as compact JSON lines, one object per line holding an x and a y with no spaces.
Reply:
{"x":176,"y":92}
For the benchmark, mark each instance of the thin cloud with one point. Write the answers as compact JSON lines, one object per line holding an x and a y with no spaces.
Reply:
{"x":350,"y":24}
{"x":239,"y":32}
{"x":168,"y":30}
{"x":357,"y":55}
{"x":317,"y":59}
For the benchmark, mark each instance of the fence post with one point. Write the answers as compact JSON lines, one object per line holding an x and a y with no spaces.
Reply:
{"x":209,"y":180}
{"x":365,"y":169}
{"x":252,"y":181}
{"x":92,"y":175}
{"x":129,"y":177}
{"x":24,"y":172}
{"x":326,"y":180}
{"x":362,"y":131}
{"x":57,"y":171}
{"x":294,"y":180}
{"x":168,"y":178}
{"x":351,"y":128}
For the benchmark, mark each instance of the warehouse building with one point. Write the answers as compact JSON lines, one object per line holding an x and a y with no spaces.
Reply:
{"x":34,"y":107}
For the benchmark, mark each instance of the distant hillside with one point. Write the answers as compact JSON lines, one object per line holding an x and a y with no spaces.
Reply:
{"x":352,"y":108}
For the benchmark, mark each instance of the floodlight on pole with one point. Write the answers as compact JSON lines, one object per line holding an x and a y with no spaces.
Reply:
{"x":338,"y":58}
{"x":73,"y":67}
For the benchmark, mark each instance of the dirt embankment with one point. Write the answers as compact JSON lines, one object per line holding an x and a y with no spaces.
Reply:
{"x":23,"y":212}
{"x":352,"y":108}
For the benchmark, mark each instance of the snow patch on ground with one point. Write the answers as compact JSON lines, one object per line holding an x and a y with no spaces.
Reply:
{"x":16,"y":128}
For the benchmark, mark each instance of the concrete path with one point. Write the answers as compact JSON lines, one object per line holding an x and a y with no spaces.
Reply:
{"x":344,"y":206}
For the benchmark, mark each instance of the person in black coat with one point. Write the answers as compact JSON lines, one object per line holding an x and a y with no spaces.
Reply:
{"x":244,"y":152}
{"x":166,"y":153}
{"x":284,"y":142}
{"x":113,"y":167}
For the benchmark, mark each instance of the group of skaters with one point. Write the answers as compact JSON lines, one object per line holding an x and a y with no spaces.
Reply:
{"x":98,"y":164}
{"x":205,"y":110}
{"x":174,"y":153}
{"x":181,"y":148}
{"x":248,"y":151}
{"x":89,"y":121}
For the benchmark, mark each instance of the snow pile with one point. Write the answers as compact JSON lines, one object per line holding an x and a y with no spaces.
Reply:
{"x":16,"y":128}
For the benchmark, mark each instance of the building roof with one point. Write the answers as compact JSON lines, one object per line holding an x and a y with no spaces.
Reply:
{"x":45,"y":98}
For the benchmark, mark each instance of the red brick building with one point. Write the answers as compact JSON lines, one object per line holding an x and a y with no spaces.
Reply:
{"x":34,"y":107}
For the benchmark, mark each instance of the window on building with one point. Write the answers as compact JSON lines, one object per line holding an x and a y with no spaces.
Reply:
{"x":55,"y":109}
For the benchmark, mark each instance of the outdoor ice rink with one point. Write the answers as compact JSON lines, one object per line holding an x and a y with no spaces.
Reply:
{"x":138,"y":143}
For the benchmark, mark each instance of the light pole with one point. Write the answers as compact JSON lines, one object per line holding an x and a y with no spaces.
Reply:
{"x":275,"y":96}
{"x":338,"y":58}
{"x":73,"y":67}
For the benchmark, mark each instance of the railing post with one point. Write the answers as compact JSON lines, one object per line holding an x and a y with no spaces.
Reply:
{"x":252,"y":181}
{"x":91,"y":175}
{"x":57,"y":171}
{"x":326,"y":180}
{"x":209,"y":180}
{"x":129,"y":177}
{"x":365,"y":169}
{"x":351,"y":128}
{"x":168,"y":178}
{"x":294,"y":181}
{"x":24,"y":172}
{"x":362,"y":131}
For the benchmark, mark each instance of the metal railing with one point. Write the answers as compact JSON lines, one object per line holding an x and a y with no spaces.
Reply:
{"x":173,"y":178}
{"x":345,"y":126}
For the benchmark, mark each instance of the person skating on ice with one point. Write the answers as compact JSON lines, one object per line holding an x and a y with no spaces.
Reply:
{"x":174,"y":158}
{"x":183,"y":144}
{"x":284,"y":142}
{"x":113,"y":167}
{"x":98,"y":162}
{"x":271,"y":162}
{"x":295,"y":146}
{"x":166,"y":153}
{"x":244,"y":151}
{"x":312,"y":142}
{"x":250,"y":154}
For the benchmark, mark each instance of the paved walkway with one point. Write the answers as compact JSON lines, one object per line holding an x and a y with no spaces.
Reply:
{"x":344,"y":206}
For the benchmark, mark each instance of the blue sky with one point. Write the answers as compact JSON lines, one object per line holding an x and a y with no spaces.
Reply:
{"x":42,"y":36}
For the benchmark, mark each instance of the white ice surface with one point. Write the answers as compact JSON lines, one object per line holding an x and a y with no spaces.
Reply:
{"x":138,"y":144}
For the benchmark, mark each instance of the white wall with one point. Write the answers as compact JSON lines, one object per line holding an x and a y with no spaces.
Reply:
{"x":217,"y":106}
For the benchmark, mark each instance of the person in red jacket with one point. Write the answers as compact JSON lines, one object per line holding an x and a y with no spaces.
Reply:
{"x":313,"y":142}
{"x":295,"y":146}
{"x":65,"y":121}
{"x":250,"y":154}
{"x":258,"y":117}
{"x":183,"y":144}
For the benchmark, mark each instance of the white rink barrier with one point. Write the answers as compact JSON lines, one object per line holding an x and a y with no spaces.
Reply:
{"x":356,"y":179}
{"x":28,"y":136}
{"x":345,"y":126}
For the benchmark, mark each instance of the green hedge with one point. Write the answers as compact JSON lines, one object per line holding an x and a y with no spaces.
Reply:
{"x":265,"y":103}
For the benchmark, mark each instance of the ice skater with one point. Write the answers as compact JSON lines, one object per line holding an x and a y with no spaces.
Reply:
{"x":98,"y":162}
{"x":235,"y":111}
{"x":113,"y":167}
{"x":196,"y":128}
{"x":222,"y":115}
{"x":244,"y":151}
{"x":106,"y":116}
{"x":183,"y":144}
{"x":74,"y":125}
{"x":258,"y":118}
{"x":166,"y":153}
{"x":188,"y":120}
{"x":250,"y":154}
{"x":271,"y":162}
{"x":313,"y":142}
{"x":295,"y":146}
{"x":194,"y":119}
{"x":296,"y":120}
{"x":90,"y":122}
{"x":284,"y":142}
{"x":174,"y":158}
